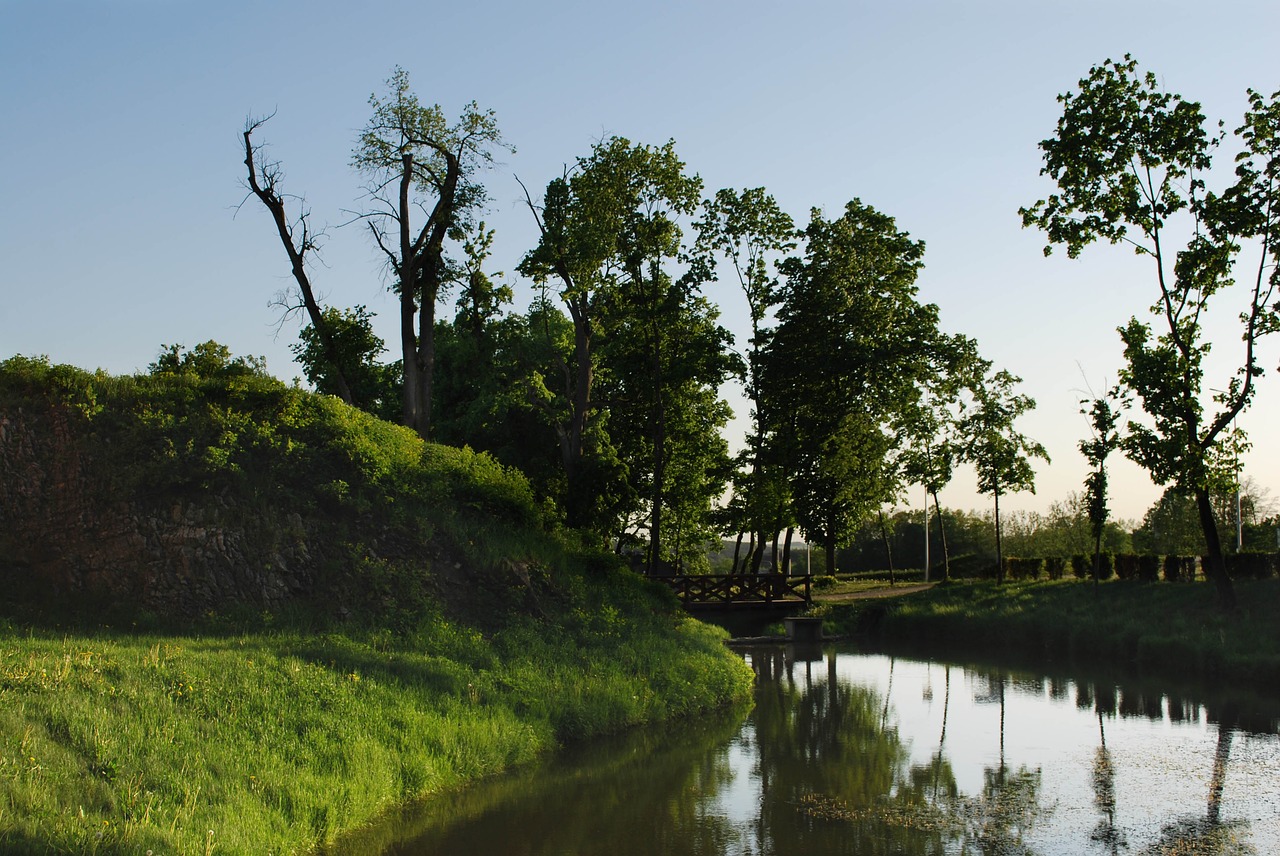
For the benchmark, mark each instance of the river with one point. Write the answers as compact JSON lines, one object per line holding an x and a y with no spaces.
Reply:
{"x":853,"y":753}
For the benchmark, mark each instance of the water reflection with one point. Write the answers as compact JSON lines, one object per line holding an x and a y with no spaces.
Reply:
{"x":853,"y":754}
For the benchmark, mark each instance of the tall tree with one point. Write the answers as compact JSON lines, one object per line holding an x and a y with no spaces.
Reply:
{"x":929,"y":445}
{"x":608,"y":235}
{"x":750,"y":232}
{"x":999,"y":453}
{"x":1103,"y":440}
{"x":299,"y":240}
{"x":851,"y":344}
{"x":419,"y":164}
{"x":1130,"y":162}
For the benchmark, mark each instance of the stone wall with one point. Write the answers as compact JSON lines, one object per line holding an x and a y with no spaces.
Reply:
{"x":65,"y":531}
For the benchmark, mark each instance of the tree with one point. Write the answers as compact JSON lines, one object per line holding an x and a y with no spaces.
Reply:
{"x":851,"y":344}
{"x":608,"y":230}
{"x":1104,"y":440}
{"x":749,"y":230}
{"x":298,"y":239}
{"x":1129,"y":161}
{"x":351,"y":343}
{"x":419,"y":163}
{"x":928,"y":438}
{"x":999,"y":453}
{"x":207,"y":360}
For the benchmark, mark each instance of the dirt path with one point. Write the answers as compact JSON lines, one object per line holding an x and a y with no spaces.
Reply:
{"x":884,"y":591}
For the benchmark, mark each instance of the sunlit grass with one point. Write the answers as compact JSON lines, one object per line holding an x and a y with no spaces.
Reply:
{"x":273,"y":743}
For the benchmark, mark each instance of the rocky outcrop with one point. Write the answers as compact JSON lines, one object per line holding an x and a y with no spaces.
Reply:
{"x":67,"y":530}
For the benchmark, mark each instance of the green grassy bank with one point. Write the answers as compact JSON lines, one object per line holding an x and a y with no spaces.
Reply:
{"x":1171,"y":629}
{"x":271,"y":742}
{"x":240,"y":618}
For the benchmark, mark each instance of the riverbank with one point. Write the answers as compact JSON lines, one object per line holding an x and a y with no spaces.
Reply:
{"x":274,"y":742}
{"x":237,"y":617}
{"x":1172,"y":629}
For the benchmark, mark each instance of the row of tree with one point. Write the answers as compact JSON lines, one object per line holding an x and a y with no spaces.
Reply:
{"x":606,"y":391}
{"x":1171,"y":527}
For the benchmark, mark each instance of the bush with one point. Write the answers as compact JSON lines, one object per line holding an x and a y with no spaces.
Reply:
{"x":1251,"y":566}
{"x":971,"y":566}
{"x":1023,"y":569}
{"x":1081,"y":566}
{"x":1126,"y":566}
{"x":1054,"y":566}
{"x":1148,"y":568}
{"x":1106,"y":566}
{"x":1178,"y":568}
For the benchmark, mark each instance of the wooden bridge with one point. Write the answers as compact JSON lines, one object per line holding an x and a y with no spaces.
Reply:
{"x":738,"y":589}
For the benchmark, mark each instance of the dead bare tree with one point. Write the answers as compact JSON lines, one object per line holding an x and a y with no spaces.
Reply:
{"x":298,"y":239}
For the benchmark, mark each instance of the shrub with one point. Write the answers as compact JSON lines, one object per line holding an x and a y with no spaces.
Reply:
{"x":1054,"y":566}
{"x":1126,"y":566}
{"x":1106,"y":566}
{"x":1081,"y":566}
{"x":971,"y":565}
{"x":1023,"y":569}
{"x":1148,"y":568}
{"x":1251,"y":565}
{"x":1176,"y":568}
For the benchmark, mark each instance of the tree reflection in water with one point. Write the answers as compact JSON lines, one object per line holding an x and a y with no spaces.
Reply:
{"x":820,"y":766}
{"x":1104,"y":795}
{"x":1208,"y":835}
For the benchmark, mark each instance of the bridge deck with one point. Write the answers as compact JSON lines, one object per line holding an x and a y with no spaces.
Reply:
{"x":738,"y":589}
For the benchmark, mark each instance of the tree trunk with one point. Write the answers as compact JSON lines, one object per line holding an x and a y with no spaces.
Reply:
{"x":427,"y":358}
{"x":1216,"y":569}
{"x":737,"y":548}
{"x":582,"y":375}
{"x":773,"y":556}
{"x":786,"y":552}
{"x":999,"y":546}
{"x":408,"y":305}
{"x":942,"y":531}
{"x":888,"y":550}
{"x":1097,"y":559}
{"x":831,"y":547}
{"x":270,"y":197}
{"x":757,"y":558}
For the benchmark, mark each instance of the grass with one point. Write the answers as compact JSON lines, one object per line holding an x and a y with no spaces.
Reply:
{"x":1174,"y":629}
{"x":274,"y":742}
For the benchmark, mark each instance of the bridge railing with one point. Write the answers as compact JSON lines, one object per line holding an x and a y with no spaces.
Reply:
{"x":738,"y":588}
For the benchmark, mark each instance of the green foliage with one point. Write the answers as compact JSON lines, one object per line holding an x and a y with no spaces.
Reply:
{"x":207,"y":360}
{"x":276,"y":447}
{"x":1129,"y":161}
{"x":850,"y":346}
{"x":1024,"y":569}
{"x":124,"y":743}
{"x":374,"y":386}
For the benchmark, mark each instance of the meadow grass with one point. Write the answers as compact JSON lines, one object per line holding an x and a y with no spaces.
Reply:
{"x":274,"y":742}
{"x":1174,"y":629}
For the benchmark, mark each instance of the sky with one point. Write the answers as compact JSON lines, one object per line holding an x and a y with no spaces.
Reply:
{"x":122,"y":179}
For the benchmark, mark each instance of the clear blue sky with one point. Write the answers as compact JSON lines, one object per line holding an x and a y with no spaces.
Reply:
{"x":122,"y":169}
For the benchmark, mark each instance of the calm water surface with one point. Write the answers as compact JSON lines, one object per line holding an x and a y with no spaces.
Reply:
{"x":867,"y":754}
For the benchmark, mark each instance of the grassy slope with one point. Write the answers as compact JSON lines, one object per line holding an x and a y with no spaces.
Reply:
{"x":269,"y":733}
{"x":1171,"y":629}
